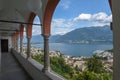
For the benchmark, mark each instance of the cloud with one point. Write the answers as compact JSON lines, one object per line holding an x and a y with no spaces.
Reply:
{"x":61,"y":26}
{"x":83,"y":17}
{"x":101,"y":16}
{"x":99,"y":24}
{"x":65,"y":4}
{"x":99,"y":19}
{"x":36,"y":30}
{"x":109,"y":18}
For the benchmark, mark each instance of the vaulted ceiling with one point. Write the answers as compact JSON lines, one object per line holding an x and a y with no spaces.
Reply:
{"x":18,"y":11}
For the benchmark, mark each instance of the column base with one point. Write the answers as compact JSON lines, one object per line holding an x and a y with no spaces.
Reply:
{"x":28,"y":58}
{"x":46,"y":70}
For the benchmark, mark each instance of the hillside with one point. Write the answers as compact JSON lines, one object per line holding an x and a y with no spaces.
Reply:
{"x":81,"y":35}
{"x":87,"y":35}
{"x":39,"y":38}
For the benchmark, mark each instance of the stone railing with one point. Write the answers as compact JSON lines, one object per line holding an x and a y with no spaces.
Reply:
{"x":34,"y":68}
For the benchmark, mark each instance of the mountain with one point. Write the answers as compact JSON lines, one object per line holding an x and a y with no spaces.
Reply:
{"x":87,"y":35}
{"x":81,"y":35}
{"x":39,"y":38}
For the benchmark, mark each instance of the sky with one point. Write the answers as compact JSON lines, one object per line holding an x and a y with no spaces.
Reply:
{"x":73,"y":14}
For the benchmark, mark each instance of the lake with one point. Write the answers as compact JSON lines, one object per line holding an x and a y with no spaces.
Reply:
{"x":76,"y":49}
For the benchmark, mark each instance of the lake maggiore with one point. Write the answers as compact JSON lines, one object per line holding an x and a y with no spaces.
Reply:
{"x":76,"y":49}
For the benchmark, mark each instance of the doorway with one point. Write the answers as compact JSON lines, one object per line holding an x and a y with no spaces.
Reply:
{"x":4,"y":45}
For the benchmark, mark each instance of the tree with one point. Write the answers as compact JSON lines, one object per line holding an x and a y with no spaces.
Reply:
{"x":94,"y":64}
{"x":58,"y":65}
{"x":39,"y":58}
{"x":77,"y":69}
{"x":87,"y":75}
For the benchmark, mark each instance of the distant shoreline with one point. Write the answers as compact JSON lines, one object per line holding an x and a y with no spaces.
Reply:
{"x":95,"y":42}
{"x":74,"y":49}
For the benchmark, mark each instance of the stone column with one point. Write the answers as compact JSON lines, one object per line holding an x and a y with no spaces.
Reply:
{"x":16,"y":44}
{"x":12,"y":43}
{"x":49,"y":10}
{"x":116,"y":38}
{"x":28,"y":47}
{"x":21,"y":37}
{"x":13,"y":46}
{"x":46,"y":54}
{"x":21,"y":44}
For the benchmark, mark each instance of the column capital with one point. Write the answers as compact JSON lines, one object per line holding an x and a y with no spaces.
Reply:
{"x":46,"y":35}
{"x":28,"y":37}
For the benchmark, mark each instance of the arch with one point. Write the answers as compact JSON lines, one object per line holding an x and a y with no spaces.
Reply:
{"x":51,"y":5}
{"x":29,"y":26}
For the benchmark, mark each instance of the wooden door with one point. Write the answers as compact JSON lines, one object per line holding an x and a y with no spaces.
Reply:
{"x":4,"y":45}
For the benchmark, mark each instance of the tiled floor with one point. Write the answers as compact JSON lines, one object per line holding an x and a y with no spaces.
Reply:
{"x":11,"y":70}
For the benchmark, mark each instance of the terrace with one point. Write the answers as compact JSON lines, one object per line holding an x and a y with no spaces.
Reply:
{"x":17,"y":15}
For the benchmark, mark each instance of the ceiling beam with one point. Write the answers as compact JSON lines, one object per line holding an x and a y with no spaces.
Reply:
{"x":7,"y":30}
{"x":17,"y":22}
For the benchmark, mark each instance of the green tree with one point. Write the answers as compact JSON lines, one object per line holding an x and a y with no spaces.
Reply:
{"x":39,"y":58}
{"x":58,"y":65}
{"x":105,"y":76}
{"x":95,"y":64}
{"x":87,"y":75}
{"x":77,"y":70}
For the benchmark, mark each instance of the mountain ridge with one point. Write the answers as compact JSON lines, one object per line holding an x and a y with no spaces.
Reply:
{"x":81,"y":35}
{"x":87,"y":35}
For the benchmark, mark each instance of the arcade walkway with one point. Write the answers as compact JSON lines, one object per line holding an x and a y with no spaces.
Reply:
{"x":11,"y":70}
